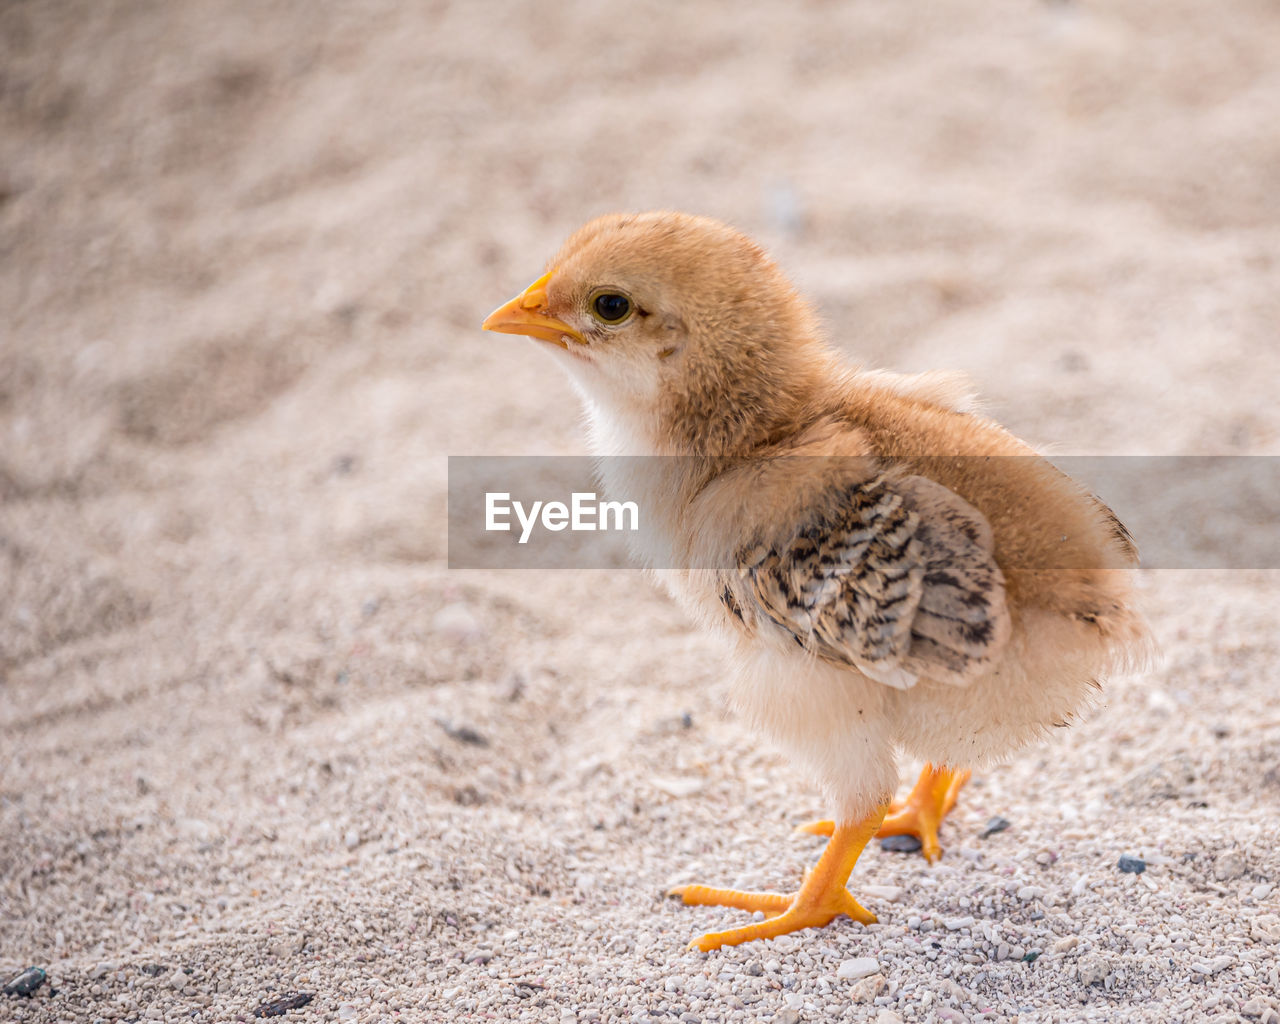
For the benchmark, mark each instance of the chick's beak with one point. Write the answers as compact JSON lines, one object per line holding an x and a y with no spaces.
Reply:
{"x":526,"y":314}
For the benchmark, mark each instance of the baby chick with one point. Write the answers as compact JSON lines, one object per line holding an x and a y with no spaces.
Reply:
{"x":896,"y":572}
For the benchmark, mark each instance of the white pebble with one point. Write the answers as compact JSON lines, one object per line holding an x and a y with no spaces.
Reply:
{"x":1030,"y":892}
{"x":457,"y":621}
{"x":1214,"y":966}
{"x":859,"y":967}
{"x":1228,"y":865}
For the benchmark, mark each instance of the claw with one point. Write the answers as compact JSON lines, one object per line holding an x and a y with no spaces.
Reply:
{"x":822,"y":896}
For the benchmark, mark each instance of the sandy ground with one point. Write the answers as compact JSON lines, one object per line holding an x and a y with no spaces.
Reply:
{"x":256,"y":739}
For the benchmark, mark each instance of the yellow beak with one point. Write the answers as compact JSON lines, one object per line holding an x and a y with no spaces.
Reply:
{"x":526,"y":314}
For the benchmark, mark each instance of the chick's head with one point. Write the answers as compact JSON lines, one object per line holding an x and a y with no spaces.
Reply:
{"x":677,"y":324}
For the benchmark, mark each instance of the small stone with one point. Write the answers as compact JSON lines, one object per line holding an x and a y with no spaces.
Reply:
{"x":867,"y":989}
{"x":1228,"y":865}
{"x":887,"y":1016}
{"x":900,"y":844}
{"x":1092,"y":970}
{"x":457,"y":621}
{"x":888,"y":893}
{"x":678,"y":787}
{"x":154,"y":1013}
{"x":1132,"y":865}
{"x":347,"y":1012}
{"x":351,"y":840}
{"x":25,"y":983}
{"x":1255,"y":1007}
{"x":787,"y":1017}
{"x":1211,"y":967}
{"x":859,"y":967}
{"x":1030,"y":892}
{"x":1265,"y":928}
{"x":1046,"y":857}
{"x":1261,"y":892}
{"x":478,"y":956}
{"x":1031,"y":956}
{"x":1066,"y":944}
{"x":279,"y":1007}
{"x":996,"y":824}
{"x":1002,"y":951}
{"x":956,"y":923}
{"x":755,"y":968}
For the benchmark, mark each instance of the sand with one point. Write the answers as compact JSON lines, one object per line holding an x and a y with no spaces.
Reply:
{"x":257,"y":740}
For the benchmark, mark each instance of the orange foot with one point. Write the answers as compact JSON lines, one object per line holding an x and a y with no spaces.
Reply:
{"x":822,"y":896}
{"x":920,"y":815}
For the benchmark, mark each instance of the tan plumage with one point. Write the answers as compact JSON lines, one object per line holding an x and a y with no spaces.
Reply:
{"x":895,"y":571}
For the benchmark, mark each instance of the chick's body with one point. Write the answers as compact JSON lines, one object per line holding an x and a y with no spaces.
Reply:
{"x":895,"y":571}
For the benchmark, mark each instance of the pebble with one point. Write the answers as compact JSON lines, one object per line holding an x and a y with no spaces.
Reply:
{"x":787,"y":1017}
{"x":1132,"y":865}
{"x":996,"y":824}
{"x":859,"y":967}
{"x":26,"y":982}
{"x":1030,"y":892}
{"x":457,"y":621}
{"x":1228,"y":865}
{"x":1261,"y":892}
{"x":900,"y":844}
{"x":865,"y":990}
{"x":1215,"y":966}
{"x":888,"y":893}
{"x":1092,"y":970}
{"x":887,"y":1016}
{"x":347,"y":1012}
{"x":956,"y":923}
{"x":1265,"y":928}
{"x":279,"y":1007}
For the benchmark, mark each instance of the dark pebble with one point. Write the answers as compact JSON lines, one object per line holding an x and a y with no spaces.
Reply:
{"x":462,"y":733}
{"x":755,"y":969}
{"x":279,"y":1007}
{"x":1031,"y":956}
{"x":993,"y":826}
{"x":900,"y":844}
{"x":1132,"y":865}
{"x":26,"y":983}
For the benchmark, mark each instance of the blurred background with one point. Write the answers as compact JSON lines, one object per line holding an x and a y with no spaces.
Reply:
{"x":244,"y":252}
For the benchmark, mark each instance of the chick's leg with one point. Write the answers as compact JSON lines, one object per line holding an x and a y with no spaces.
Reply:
{"x":920,"y":815}
{"x":821,"y":898}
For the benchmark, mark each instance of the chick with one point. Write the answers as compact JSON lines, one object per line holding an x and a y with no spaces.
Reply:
{"x":895,"y":572}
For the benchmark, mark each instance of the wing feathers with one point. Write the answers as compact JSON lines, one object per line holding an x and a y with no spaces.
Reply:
{"x":897,"y":580}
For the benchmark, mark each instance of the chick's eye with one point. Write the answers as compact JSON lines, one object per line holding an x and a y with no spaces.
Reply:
{"x":611,"y":307}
